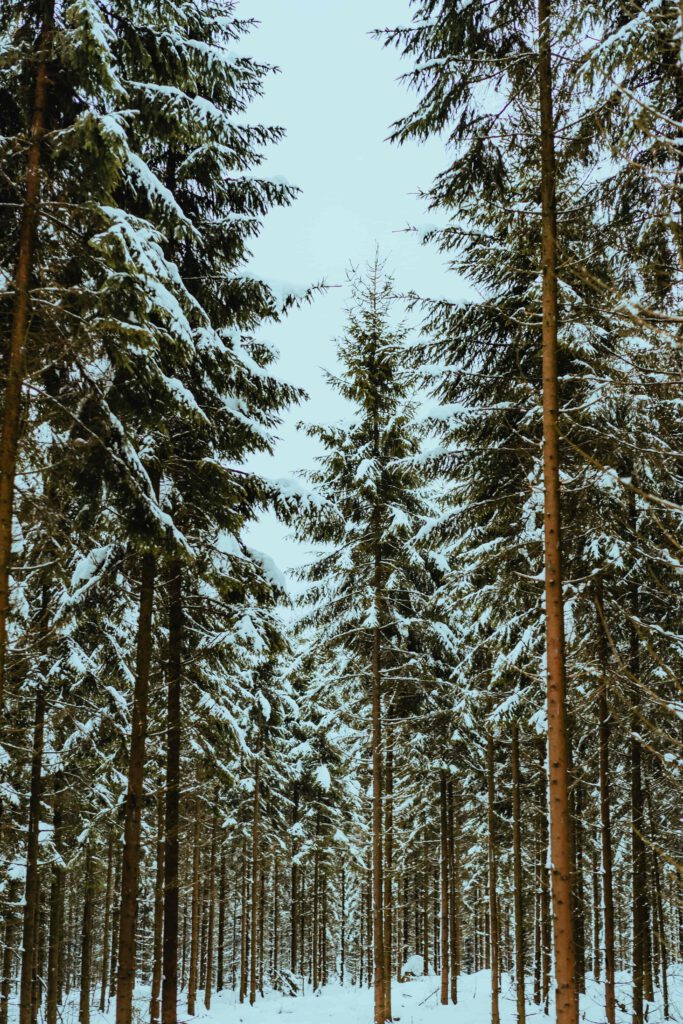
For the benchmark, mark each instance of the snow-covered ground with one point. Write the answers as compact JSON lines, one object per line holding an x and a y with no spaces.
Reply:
{"x":415,"y":1002}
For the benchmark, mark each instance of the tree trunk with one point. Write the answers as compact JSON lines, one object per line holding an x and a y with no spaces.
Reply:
{"x":316,"y":890}
{"x":86,"y":943}
{"x":493,"y":884}
{"x":380,"y":998}
{"x":544,"y":887}
{"x":9,"y":952}
{"x":638,"y":851}
{"x":659,"y":905}
{"x":18,"y":335}
{"x":518,"y":873}
{"x":388,"y":873}
{"x":113,"y":964}
{"x":595,"y":874}
{"x":56,"y":909}
{"x":566,"y":999}
{"x":577,"y":888}
{"x":169,"y":984}
{"x":444,"y":888}
{"x":454,"y":899}
{"x":106,"y":926}
{"x":212,"y":903}
{"x":222,"y":897}
{"x":30,"y":931}
{"x":255,"y":880}
{"x":196,"y":896}
{"x":606,"y":837}
{"x":342,"y":928}
{"x":130,"y":865}
{"x":294,"y":906}
{"x":243,"y":928}
{"x":158,"y":914}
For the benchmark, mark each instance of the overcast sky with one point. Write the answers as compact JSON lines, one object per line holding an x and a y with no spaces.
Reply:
{"x":336,"y":96}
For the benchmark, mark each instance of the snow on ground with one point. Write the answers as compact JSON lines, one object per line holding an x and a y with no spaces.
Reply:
{"x":414,"y":1002}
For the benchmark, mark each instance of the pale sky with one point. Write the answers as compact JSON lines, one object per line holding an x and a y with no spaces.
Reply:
{"x":336,"y":96}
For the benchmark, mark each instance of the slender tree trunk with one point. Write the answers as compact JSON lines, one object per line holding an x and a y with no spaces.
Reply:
{"x":577,"y":887}
{"x":595,"y":874}
{"x":566,"y":999}
{"x":113,"y":964}
{"x":294,"y":906}
{"x":243,"y":928}
{"x":377,"y":866}
{"x":106,"y":935}
{"x":255,"y":878}
{"x":56,"y":908}
{"x":493,"y":884}
{"x":196,"y":896}
{"x":388,"y":873}
{"x":454,"y":900}
{"x":659,"y":905}
{"x":169,"y":984}
{"x":638,"y":851}
{"x":9,"y":952}
{"x":342,"y":928}
{"x":30,"y":933}
{"x":518,"y":873}
{"x":444,"y":889}
{"x":316,"y":890}
{"x":130,"y":865}
{"x":86,"y":943}
{"x":544,"y":886}
{"x":212,"y":903}
{"x":222,"y":897}
{"x":19,"y":329}
{"x":606,"y":835}
{"x":158,"y":914}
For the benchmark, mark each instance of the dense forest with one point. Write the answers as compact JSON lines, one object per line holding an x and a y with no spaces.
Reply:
{"x":457,"y":753}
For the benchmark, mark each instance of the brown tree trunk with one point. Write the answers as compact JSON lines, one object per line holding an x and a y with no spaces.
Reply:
{"x":316,"y":890}
{"x":130,"y":864}
{"x":86,"y":943}
{"x":659,"y":906}
{"x":212,"y":903}
{"x":638,"y":851}
{"x":169,"y":984}
{"x":388,"y":873}
{"x":158,"y":914}
{"x":222,"y":897}
{"x":113,"y":964}
{"x":342,"y":927}
{"x":577,"y":887}
{"x":196,"y":896}
{"x":18,"y":335}
{"x":30,"y":928}
{"x":9,"y":952}
{"x":444,"y":889}
{"x":106,"y":926}
{"x":518,"y":873}
{"x":493,"y":884}
{"x":243,"y":928}
{"x":566,"y":999}
{"x":606,"y":835}
{"x":454,"y":900}
{"x":380,"y":997}
{"x":595,"y":874}
{"x":294,"y":905}
{"x":543,"y":880}
{"x":255,"y":878}
{"x":53,"y":996}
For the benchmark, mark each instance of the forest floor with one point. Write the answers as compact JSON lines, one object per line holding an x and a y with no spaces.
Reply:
{"x":415,"y":1002}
